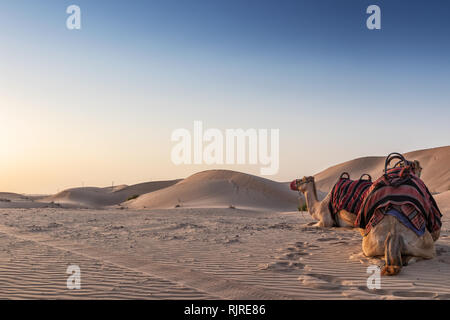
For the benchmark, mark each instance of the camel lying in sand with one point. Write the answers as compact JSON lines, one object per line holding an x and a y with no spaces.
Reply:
{"x":399,"y":218}
{"x":319,"y":210}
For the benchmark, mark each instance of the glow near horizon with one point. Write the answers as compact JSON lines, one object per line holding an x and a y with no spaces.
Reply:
{"x":99,"y":105}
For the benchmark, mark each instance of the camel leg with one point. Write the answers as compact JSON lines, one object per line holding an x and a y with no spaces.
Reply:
{"x":422,"y":247}
{"x":372,"y":247}
{"x":435,"y":234}
{"x":373,"y":243}
{"x":346,"y":219}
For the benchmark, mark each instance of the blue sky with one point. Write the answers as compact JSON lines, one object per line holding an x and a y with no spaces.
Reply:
{"x":99,"y":104}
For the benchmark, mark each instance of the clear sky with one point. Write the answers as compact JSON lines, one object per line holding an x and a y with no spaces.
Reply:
{"x":99,"y":104}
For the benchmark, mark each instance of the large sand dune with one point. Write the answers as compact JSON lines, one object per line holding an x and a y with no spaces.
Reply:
{"x":435,"y":163}
{"x":101,"y":197}
{"x":221,"y":188}
{"x":224,"y":188}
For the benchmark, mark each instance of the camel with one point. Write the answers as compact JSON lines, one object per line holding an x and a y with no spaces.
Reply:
{"x":390,"y":237}
{"x":319,"y":209}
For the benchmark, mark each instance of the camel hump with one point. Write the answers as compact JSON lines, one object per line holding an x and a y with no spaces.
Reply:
{"x":393,"y":254}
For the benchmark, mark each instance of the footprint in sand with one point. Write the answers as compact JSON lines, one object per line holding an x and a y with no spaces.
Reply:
{"x":317,"y":283}
{"x":327,"y":239}
{"x":441,"y":251}
{"x":294,"y":255}
{"x":288,"y":261}
{"x":282,"y":266}
{"x":302,"y":245}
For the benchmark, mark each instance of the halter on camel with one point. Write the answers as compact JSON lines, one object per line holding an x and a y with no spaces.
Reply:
{"x":298,"y":182}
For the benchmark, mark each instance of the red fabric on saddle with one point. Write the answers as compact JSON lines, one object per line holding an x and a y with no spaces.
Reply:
{"x":348,"y":195}
{"x":399,"y":188}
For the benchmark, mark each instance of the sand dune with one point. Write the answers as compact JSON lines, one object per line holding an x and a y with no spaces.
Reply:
{"x":15,"y":200}
{"x":443,"y":201}
{"x":221,"y":188}
{"x":436,"y":167}
{"x":101,"y":197}
{"x":9,"y":196}
{"x":224,"y":188}
{"x":435,"y":163}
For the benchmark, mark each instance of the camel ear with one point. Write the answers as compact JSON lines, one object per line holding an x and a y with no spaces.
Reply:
{"x":417,"y":163}
{"x":416,"y":168}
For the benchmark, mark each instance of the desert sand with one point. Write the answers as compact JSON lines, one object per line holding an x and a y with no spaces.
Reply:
{"x":217,"y":234}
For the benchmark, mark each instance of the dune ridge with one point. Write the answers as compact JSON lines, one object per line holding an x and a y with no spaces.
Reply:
{"x":9,"y":196}
{"x":102,"y":197}
{"x":9,"y":200}
{"x":220,"y":188}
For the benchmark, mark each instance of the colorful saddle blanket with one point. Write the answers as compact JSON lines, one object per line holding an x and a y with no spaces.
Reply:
{"x":399,"y":189}
{"x":348,"y":195}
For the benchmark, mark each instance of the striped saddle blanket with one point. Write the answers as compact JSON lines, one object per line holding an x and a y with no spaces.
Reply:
{"x":399,"y":190}
{"x":348,"y":194}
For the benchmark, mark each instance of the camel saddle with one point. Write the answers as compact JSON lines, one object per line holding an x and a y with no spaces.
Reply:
{"x":348,"y":194}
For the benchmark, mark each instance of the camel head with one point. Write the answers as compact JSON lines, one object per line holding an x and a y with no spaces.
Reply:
{"x":302,"y":184}
{"x":414,"y":165}
{"x":416,"y":168}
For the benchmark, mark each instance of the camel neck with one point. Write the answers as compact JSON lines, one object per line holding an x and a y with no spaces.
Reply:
{"x":311,"y":199}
